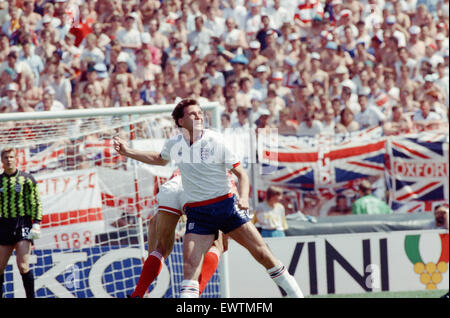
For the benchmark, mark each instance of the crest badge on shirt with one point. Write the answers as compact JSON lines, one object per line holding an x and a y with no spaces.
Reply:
{"x":205,"y":153}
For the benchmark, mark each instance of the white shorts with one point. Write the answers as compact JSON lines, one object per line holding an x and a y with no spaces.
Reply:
{"x":169,"y":196}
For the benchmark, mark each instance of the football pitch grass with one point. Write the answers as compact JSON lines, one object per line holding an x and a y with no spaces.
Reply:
{"x":409,"y":294}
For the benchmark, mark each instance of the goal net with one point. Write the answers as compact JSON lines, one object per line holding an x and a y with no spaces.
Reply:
{"x":96,"y":203}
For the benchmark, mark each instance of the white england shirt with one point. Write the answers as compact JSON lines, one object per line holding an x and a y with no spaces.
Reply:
{"x":203,"y":165}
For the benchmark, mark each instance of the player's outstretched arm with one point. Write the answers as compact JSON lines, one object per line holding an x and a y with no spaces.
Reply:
{"x":149,"y":157}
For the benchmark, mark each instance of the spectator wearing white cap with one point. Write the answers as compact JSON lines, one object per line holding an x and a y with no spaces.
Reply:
{"x":294,"y":49}
{"x":345,"y":19}
{"x":261,"y":81}
{"x":427,"y":86}
{"x":255,"y":58}
{"x":9,"y":103}
{"x":442,"y":43}
{"x":291,"y":76}
{"x":349,"y":97}
{"x":334,"y":61}
{"x":415,"y":46}
{"x":276,"y":81}
{"x":317,"y":73}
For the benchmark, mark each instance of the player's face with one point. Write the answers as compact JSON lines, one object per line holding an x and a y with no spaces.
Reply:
{"x":192,"y":119}
{"x":9,"y":161}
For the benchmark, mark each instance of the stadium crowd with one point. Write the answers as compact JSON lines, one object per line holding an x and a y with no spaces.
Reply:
{"x":303,"y":66}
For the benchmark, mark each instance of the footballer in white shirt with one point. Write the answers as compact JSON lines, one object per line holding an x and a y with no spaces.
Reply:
{"x":203,"y":160}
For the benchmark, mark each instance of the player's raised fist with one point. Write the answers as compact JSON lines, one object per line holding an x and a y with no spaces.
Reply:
{"x":120,"y":145}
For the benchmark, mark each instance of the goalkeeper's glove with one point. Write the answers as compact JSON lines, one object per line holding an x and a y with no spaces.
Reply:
{"x":35,"y":232}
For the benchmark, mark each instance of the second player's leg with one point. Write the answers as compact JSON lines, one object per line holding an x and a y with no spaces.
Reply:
{"x":166,"y":224}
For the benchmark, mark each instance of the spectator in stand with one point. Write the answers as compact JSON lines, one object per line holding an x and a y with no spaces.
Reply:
{"x":367,"y":203}
{"x":62,"y":87}
{"x":341,"y":207}
{"x":370,"y":115}
{"x":309,"y":126}
{"x":269,"y":217}
{"x":346,"y":123}
{"x":328,"y":121}
{"x":312,"y":204}
{"x":286,"y":126}
{"x":129,"y":37}
{"x":8,"y":104}
{"x":398,"y":49}
{"x":425,"y":114}
{"x":399,"y":123}
{"x":48,"y":102}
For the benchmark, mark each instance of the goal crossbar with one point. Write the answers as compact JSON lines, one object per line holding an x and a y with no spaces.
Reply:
{"x":116,"y":111}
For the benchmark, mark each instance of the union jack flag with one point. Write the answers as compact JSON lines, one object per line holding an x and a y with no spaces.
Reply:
{"x":41,"y":157}
{"x":326,"y":163}
{"x":418,"y":171}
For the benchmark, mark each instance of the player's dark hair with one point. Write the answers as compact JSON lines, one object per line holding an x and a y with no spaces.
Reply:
{"x":178,"y":111}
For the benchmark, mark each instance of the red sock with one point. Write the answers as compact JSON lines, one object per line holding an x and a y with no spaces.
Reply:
{"x":208,"y":269}
{"x":151,"y":269}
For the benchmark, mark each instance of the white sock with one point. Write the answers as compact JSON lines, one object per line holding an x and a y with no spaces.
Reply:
{"x":189,"y":289}
{"x":283,"y":279}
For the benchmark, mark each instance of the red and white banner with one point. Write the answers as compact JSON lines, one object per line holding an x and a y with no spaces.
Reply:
{"x":72,"y":209}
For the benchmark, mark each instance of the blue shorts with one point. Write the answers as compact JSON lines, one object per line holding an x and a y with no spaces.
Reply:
{"x":209,"y":219}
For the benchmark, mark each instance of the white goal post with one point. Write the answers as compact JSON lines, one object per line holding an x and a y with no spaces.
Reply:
{"x":96,"y":203}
